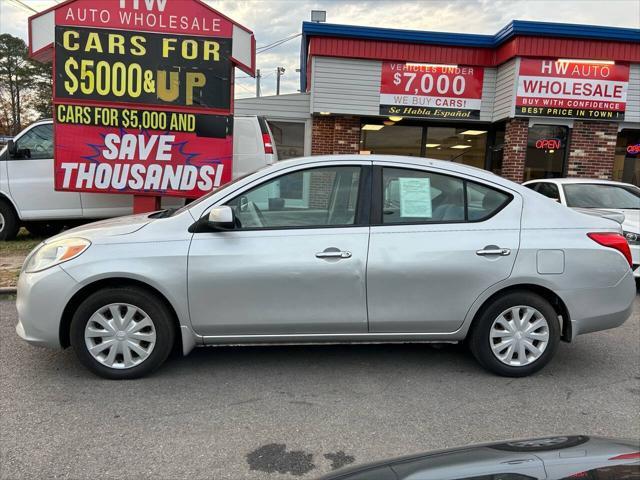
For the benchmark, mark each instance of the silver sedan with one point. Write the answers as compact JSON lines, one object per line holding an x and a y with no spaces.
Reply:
{"x":333,"y":249}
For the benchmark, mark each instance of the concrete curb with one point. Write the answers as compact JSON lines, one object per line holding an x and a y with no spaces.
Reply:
{"x":8,"y":290}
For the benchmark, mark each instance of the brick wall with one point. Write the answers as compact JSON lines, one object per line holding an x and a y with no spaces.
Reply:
{"x":515,"y":149}
{"x":335,"y":135}
{"x":592,"y":149}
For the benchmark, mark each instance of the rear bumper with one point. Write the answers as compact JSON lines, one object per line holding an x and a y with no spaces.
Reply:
{"x":593,"y":310}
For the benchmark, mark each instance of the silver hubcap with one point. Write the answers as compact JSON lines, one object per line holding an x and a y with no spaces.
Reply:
{"x":519,"y":336}
{"x":120,"y":335}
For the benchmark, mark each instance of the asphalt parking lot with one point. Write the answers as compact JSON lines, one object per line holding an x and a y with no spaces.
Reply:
{"x":296,"y":412}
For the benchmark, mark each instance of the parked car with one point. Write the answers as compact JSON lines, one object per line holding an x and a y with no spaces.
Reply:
{"x":551,"y":458}
{"x":28,"y":198}
{"x":603,"y":197}
{"x":333,"y":249}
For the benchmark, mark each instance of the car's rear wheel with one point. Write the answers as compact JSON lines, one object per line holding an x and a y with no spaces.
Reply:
{"x":9,"y":224}
{"x":516,"y":335}
{"x":122,"y":333}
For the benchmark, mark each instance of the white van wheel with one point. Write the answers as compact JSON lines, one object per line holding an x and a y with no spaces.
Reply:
{"x":9,"y":225}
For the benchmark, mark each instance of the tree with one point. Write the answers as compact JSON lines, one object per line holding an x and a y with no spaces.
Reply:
{"x":14,"y":76}
{"x":42,"y":86}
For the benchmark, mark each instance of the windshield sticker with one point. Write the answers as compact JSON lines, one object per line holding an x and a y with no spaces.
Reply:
{"x":415,"y":197}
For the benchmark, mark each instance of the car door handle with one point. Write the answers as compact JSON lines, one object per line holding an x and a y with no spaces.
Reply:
{"x":333,"y":254}
{"x":494,"y":251}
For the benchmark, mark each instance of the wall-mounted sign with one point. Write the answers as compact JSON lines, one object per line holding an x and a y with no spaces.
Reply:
{"x":143,"y":95}
{"x":548,"y":144}
{"x":572,"y":89}
{"x":633,"y":149}
{"x":431,"y":91}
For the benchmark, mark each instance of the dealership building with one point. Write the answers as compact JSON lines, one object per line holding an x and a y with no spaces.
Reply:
{"x":535,"y":100}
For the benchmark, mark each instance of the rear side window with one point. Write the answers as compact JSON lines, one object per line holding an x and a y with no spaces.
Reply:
{"x":483,"y":202}
{"x":415,"y":196}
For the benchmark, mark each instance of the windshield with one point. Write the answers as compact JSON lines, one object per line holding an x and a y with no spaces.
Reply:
{"x":204,"y":197}
{"x":592,"y":195}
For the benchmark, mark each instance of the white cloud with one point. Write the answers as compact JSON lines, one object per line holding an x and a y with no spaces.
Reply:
{"x":275,"y":19}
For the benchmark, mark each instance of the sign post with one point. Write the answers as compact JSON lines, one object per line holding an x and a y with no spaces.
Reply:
{"x":143,"y":95}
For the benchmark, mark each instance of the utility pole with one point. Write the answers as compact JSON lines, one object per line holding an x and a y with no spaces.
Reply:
{"x":279,"y":73}
{"x":258,"y":76}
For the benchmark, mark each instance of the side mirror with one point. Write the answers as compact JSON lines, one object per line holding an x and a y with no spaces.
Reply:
{"x":11,"y":148}
{"x":221,"y":218}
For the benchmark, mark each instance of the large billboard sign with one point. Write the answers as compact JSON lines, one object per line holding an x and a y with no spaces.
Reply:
{"x":431,"y":91}
{"x":143,"y":95}
{"x":572,"y":89}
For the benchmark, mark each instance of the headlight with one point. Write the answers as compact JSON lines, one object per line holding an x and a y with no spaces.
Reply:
{"x":54,"y":253}
{"x":632,"y":238}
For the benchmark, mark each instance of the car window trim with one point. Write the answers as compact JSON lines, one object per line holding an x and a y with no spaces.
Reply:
{"x":376,"y":201}
{"x":362,"y":202}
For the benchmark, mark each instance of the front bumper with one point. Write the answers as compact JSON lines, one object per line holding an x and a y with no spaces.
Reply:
{"x":40,"y":302}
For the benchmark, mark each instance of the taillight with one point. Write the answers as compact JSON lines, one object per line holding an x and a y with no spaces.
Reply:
{"x":266,"y":140}
{"x":613,"y":240}
{"x":627,"y":456}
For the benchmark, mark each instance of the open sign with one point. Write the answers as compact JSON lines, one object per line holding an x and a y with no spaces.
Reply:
{"x":633,"y":149}
{"x":548,"y":143}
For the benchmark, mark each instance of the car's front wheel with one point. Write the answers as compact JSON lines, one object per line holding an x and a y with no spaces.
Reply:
{"x":122,"y":333}
{"x":516,"y":335}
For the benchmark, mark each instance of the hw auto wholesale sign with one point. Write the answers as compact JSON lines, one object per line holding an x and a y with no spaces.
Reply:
{"x":143,"y":97}
{"x":431,"y":91}
{"x":572,"y":89}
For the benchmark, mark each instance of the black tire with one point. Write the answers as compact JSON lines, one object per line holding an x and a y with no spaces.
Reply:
{"x":153,"y":306}
{"x":9,"y":223}
{"x":479,"y":337}
{"x":43,"y":229}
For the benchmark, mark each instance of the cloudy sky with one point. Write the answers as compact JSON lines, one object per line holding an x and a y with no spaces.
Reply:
{"x":273,"y":20}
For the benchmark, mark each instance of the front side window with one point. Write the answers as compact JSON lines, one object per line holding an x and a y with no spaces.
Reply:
{"x":413,"y":196}
{"x":593,"y":195}
{"x":318,"y":197}
{"x":36,"y":143}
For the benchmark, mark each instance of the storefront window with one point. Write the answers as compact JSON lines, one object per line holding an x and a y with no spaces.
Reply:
{"x":289,"y":138}
{"x":626,"y":167}
{"x":546,"y":152}
{"x":391,"y":140}
{"x":461,"y":145}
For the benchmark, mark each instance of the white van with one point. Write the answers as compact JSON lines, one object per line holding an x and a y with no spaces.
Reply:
{"x":27,"y":196}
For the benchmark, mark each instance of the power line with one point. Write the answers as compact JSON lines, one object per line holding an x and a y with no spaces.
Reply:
{"x":19,"y":3}
{"x":276,"y":44}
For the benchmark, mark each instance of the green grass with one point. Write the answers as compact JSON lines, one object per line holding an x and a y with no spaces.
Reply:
{"x":22,"y":245}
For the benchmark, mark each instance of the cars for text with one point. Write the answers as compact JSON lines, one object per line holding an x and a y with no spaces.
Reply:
{"x":333,"y":249}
